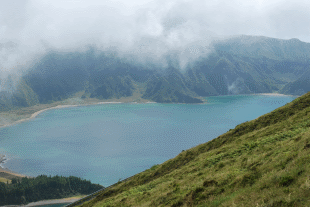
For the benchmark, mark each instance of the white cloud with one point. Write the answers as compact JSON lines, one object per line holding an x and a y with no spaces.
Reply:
{"x":150,"y":29}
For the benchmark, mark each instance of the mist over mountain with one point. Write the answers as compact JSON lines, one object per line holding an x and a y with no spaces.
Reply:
{"x":163,"y":51}
{"x":238,"y":65}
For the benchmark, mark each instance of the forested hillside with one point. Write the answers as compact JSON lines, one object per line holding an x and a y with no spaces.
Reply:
{"x":238,"y":65}
{"x":298,"y":87}
{"x":26,"y":190}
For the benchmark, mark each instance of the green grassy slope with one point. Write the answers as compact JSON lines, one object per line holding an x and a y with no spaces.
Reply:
{"x":263,"y":162}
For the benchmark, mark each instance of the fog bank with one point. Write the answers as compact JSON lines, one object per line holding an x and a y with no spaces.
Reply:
{"x":144,"y":30}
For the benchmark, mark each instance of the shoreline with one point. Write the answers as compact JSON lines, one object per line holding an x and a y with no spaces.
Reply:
{"x":5,"y":172}
{"x":3,"y":158}
{"x":271,"y":94}
{"x":54,"y":201}
{"x":35,"y":114}
{"x":8,"y":174}
{"x":61,"y":106}
{"x":49,"y":202}
{"x":256,"y":94}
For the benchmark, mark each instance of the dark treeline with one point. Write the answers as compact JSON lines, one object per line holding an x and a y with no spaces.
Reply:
{"x":25,"y":190}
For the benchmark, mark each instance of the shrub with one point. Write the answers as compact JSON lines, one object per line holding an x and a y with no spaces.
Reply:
{"x":208,"y":183}
{"x":286,"y":180}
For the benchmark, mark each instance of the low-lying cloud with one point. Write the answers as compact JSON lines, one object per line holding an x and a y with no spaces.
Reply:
{"x":145,"y":30}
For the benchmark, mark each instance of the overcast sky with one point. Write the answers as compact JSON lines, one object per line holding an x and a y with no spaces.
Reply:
{"x":143,"y":27}
{"x":69,"y":20}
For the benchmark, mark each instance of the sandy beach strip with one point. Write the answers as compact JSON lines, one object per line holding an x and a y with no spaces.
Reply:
{"x":271,"y":94}
{"x":9,"y":175}
{"x":32,"y":116}
{"x":111,"y":102}
{"x":35,"y":114}
{"x":64,"y":201}
{"x":48,"y":202}
{"x":54,"y":201}
{"x":6,"y":173}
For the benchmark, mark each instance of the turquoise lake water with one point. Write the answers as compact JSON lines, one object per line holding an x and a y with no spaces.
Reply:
{"x":105,"y":143}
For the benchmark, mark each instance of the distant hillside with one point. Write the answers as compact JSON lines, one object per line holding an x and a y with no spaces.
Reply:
{"x":238,"y":65}
{"x":298,"y":87}
{"x":263,"y":162}
{"x":249,"y":64}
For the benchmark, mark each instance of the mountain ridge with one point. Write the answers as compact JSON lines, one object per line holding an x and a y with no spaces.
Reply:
{"x":237,"y":65}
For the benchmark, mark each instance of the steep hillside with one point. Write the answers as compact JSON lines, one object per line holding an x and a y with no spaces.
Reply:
{"x":298,"y":87}
{"x":260,"y":46}
{"x":237,"y":65}
{"x":263,"y":162}
{"x":249,"y":64}
{"x":169,"y":88}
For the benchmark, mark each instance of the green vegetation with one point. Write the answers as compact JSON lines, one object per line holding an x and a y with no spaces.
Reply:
{"x":5,"y":180}
{"x":263,"y":162}
{"x":298,"y":87}
{"x":169,"y":89}
{"x":238,"y":65}
{"x":25,"y":190}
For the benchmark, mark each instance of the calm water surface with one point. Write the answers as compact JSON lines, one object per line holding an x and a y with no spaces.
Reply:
{"x":105,"y":143}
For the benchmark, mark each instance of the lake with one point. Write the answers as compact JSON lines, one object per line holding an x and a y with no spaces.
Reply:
{"x":108,"y":142}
